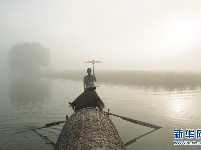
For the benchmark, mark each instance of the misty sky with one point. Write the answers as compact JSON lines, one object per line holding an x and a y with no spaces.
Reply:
{"x":124,"y":34}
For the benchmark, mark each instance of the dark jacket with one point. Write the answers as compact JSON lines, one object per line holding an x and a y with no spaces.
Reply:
{"x":88,"y":98}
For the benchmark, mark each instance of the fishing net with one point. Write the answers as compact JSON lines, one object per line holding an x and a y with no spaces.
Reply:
{"x":89,"y":129}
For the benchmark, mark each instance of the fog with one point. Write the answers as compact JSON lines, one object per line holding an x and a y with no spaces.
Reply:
{"x":156,"y":35}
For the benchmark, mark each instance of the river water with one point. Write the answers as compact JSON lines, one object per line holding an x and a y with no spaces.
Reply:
{"x":30,"y":102}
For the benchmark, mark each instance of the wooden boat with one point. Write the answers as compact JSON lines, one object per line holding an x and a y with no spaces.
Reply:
{"x":89,"y":129}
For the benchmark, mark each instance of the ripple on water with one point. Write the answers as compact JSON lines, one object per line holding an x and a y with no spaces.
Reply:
{"x":169,"y":109}
{"x":22,"y":139}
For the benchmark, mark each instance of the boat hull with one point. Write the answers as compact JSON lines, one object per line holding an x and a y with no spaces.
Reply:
{"x":89,"y":129}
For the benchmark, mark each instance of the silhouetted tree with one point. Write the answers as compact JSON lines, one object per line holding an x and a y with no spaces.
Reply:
{"x":27,"y":57}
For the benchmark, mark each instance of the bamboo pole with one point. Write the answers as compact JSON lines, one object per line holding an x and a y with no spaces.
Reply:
{"x":135,"y":139}
{"x":137,"y":121}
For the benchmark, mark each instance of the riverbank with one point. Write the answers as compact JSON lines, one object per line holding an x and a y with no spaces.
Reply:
{"x":146,"y":79}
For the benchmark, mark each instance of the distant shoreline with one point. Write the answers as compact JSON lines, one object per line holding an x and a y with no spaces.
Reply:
{"x":146,"y":79}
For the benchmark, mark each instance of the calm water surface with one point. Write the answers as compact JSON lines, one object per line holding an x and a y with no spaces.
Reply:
{"x":27,"y":103}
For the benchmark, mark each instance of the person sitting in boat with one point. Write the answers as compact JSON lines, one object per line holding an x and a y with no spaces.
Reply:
{"x":88,"y":79}
{"x":89,"y":98}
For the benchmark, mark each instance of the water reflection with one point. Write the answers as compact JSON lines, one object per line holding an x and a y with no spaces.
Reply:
{"x":29,"y":91}
{"x":180,"y":106}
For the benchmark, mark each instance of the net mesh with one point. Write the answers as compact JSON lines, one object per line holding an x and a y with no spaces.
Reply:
{"x":89,"y":129}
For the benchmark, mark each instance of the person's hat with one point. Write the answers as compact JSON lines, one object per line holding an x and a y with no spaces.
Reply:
{"x":91,"y":85}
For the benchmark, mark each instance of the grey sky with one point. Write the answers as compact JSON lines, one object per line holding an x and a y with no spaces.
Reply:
{"x":124,"y":34}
